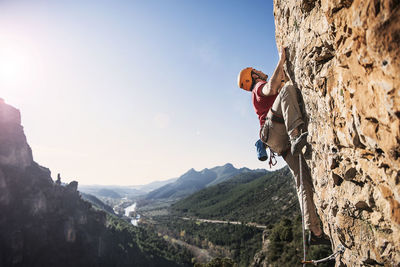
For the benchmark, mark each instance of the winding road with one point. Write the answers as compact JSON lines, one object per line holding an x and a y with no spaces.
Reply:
{"x":226,"y":222}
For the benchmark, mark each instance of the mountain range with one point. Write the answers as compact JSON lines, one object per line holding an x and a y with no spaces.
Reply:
{"x":171,"y":189}
{"x":193,"y":181}
{"x":120,"y":191}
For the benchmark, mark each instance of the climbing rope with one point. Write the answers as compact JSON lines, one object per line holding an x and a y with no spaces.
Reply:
{"x":340,"y":249}
{"x":302,"y":210}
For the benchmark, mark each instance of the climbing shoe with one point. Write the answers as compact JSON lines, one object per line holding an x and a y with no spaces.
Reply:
{"x":297,"y":143}
{"x":318,"y":240}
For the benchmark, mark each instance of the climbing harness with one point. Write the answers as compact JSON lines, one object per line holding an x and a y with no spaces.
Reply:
{"x":340,"y":248}
{"x":276,"y":117}
{"x":272,"y":155}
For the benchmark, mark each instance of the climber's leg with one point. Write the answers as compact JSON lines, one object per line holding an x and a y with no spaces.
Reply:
{"x":274,"y":134}
{"x":306,"y":119}
{"x":286,"y":105}
{"x":302,"y":107}
{"x":310,"y":215}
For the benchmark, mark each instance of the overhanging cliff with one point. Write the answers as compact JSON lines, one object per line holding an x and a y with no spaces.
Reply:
{"x":344,"y":56}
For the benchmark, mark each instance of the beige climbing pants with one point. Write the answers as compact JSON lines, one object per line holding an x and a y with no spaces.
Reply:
{"x":311,"y":219}
{"x":285,"y":106}
{"x":276,"y":136}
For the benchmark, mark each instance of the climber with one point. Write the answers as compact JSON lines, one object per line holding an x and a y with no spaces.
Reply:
{"x":283,"y":128}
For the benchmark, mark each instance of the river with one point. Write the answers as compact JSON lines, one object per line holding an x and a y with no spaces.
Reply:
{"x":128,"y":210}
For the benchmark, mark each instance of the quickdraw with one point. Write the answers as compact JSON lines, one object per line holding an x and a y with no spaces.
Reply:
{"x":272,"y":158}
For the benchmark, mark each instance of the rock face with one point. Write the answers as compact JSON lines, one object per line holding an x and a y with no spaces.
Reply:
{"x":14,"y":149}
{"x":344,"y":56}
{"x":43,"y":223}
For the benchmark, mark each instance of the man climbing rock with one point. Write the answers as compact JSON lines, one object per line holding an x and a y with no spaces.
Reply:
{"x":283,"y":128}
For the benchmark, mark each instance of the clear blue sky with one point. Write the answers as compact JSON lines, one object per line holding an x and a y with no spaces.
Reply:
{"x":128,"y":92}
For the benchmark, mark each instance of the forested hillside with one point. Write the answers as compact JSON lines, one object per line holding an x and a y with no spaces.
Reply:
{"x":247,"y":197}
{"x":236,"y":207}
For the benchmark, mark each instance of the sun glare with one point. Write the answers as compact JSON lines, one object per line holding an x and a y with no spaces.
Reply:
{"x":13,"y":63}
{"x":16,"y":68}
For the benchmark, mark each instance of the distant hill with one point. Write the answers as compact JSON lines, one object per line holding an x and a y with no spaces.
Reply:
{"x":193,"y":181}
{"x":111,"y":191}
{"x":154,"y":185}
{"x":247,"y":197}
{"x":118,"y":192}
{"x":97,"y":203}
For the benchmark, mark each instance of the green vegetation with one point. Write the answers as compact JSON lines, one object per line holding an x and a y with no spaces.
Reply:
{"x":239,"y":242}
{"x":65,"y":230}
{"x":165,"y":238}
{"x":286,"y":245}
{"x":218,"y":262}
{"x":267,"y":200}
{"x":246,"y":198}
{"x":126,"y":245}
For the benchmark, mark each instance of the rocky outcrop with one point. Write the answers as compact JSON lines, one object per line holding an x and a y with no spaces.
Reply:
{"x":14,"y":149}
{"x":344,"y":56}
{"x":43,"y":223}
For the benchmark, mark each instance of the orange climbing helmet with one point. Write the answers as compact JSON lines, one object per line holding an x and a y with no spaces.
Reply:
{"x":245,"y":81}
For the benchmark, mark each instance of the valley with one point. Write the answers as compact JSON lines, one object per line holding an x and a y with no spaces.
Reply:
{"x":225,"y":220}
{"x":112,"y":95}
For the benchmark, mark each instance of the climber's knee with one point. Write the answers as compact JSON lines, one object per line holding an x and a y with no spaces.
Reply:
{"x":288,"y":89}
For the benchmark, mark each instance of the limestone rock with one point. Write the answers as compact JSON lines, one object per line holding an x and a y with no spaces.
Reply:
{"x":344,"y":56}
{"x":40,"y":221}
{"x":43,"y":223}
{"x":14,"y":149}
{"x":73,"y":186}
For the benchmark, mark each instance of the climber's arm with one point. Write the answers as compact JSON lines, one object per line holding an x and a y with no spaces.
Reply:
{"x":274,"y":84}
